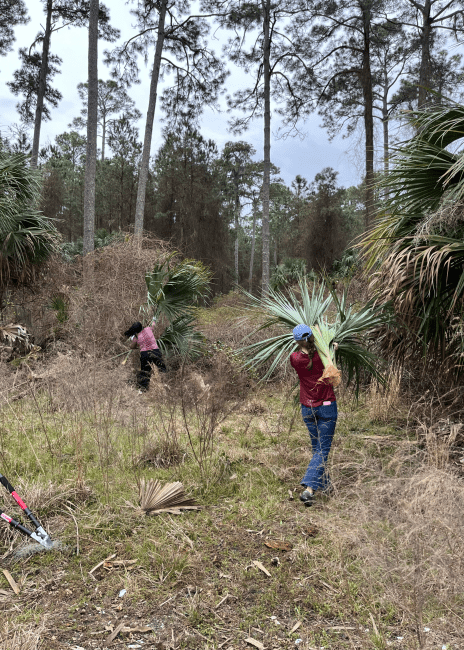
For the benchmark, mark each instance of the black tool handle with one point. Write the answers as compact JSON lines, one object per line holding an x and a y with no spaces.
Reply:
{"x":6,"y":483}
{"x":15,"y":524}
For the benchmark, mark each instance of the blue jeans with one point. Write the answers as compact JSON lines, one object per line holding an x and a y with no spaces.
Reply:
{"x":321,"y":421}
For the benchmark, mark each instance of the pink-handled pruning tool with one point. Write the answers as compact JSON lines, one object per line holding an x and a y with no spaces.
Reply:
{"x":39,"y":534}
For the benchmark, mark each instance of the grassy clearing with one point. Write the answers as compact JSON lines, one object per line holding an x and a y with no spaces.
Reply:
{"x":380,"y":560}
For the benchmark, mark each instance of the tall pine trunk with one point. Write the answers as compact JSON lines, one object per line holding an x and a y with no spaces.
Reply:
{"x":366,"y":81}
{"x":237,"y":176}
{"x":253,"y":239}
{"x":424,"y":72}
{"x":237,"y":212}
{"x":42,"y":85}
{"x":143,"y":174}
{"x":92,"y":117}
{"x":266,"y":6}
{"x":103,"y":137}
{"x":386,"y":143}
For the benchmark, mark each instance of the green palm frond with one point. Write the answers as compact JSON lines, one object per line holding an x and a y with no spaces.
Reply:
{"x":348,"y":328}
{"x":422,"y":172}
{"x":175,"y":291}
{"x":180,"y":337}
{"x":27,"y":237}
{"x":19,"y":185}
{"x":439,"y":124}
{"x":416,"y":245}
{"x":286,"y":309}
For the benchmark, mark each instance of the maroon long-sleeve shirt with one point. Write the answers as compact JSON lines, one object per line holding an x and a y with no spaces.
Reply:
{"x":312,"y":391}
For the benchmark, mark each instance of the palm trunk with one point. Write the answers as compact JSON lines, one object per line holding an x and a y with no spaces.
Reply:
{"x":143,"y":174}
{"x":366,"y":78}
{"x":92,"y":117}
{"x":266,"y":5}
{"x":42,"y":85}
{"x":252,"y":255}
{"x":424,"y":72}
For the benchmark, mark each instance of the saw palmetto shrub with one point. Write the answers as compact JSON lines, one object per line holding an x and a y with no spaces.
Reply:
{"x":414,"y":254}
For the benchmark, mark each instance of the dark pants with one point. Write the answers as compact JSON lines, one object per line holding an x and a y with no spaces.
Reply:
{"x":320,"y":421}
{"x":147,"y":360}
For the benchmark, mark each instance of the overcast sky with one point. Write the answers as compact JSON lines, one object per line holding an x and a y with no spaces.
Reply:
{"x":293,"y":156}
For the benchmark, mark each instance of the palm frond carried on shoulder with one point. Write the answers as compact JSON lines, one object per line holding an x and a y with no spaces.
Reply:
{"x":349,"y":329}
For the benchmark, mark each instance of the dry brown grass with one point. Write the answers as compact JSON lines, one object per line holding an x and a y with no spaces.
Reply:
{"x":395,"y":542}
{"x":385,"y":401}
{"x":96,"y":315}
{"x":21,"y":637}
{"x":410,"y":535}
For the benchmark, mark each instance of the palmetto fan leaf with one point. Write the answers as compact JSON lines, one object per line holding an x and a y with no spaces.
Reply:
{"x":175,"y":291}
{"x":416,"y":245}
{"x":422,"y":171}
{"x":19,"y":185}
{"x":440,"y":125}
{"x":347,"y":328}
{"x":27,"y":237}
{"x":425,"y":283}
{"x":181,"y":337}
{"x":281,"y":309}
{"x":157,"y":498}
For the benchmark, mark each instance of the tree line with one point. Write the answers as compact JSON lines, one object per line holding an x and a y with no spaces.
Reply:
{"x":355,"y":62}
{"x":206,"y":201}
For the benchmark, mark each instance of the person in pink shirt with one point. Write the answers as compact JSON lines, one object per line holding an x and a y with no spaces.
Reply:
{"x":143,"y":338}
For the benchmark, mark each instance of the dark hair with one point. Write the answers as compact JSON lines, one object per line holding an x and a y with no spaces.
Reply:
{"x":136,"y":328}
{"x":310,"y":347}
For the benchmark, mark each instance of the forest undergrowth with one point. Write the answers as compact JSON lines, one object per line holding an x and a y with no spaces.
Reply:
{"x":379,"y":564}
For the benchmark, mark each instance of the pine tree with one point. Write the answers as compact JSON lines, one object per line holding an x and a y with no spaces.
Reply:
{"x":12,"y":13}
{"x":181,"y":50}
{"x":260,"y":24}
{"x":92,"y":119}
{"x":26,"y":81}
{"x":335,"y":41}
{"x":446,"y":81}
{"x":113,"y":101}
{"x":59,"y":13}
{"x":431,"y":18}
{"x":240,"y":173}
{"x":189,"y":202}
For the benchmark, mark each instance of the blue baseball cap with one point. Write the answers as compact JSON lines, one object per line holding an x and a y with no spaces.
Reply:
{"x":301,"y":332}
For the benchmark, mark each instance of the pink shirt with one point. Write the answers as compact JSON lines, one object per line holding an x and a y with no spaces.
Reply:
{"x":146,"y":340}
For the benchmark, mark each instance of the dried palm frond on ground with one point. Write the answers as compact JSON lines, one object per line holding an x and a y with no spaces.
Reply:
{"x":15,"y":341}
{"x":170,"y":497}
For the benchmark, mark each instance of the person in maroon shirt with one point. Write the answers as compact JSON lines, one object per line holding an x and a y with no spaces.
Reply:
{"x":319,"y":411}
